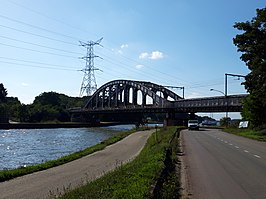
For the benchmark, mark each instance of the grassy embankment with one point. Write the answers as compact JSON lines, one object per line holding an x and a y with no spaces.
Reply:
{"x":13,"y":173}
{"x":152,"y":174}
{"x":259,"y":135}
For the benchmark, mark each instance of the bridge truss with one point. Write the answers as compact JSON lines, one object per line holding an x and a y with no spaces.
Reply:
{"x":128,"y":93}
{"x":131,"y":99}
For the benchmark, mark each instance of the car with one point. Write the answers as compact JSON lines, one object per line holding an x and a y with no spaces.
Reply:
{"x":193,"y":125}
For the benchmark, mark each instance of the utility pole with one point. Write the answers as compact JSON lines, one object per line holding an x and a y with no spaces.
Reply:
{"x":226,"y":84}
{"x":88,"y":84}
{"x":226,"y":88}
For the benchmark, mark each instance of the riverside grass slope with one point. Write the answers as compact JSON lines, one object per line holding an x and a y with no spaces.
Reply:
{"x":152,"y":174}
{"x":259,"y":135}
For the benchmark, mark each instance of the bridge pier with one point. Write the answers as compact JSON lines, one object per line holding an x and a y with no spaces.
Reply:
{"x":125,"y":118}
{"x":175,"y":119}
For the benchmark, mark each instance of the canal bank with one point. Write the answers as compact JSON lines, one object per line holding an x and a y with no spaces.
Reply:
{"x":58,"y":179}
{"x":27,"y":147}
{"x":54,"y":125}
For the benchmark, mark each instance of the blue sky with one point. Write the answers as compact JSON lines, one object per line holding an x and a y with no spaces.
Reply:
{"x":173,"y":42}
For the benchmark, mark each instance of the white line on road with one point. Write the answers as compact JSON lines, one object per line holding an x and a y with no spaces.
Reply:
{"x":237,"y":147}
{"x":246,"y":151}
{"x":257,"y":156}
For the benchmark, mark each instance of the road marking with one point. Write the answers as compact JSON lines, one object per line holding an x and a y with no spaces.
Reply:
{"x":237,"y":147}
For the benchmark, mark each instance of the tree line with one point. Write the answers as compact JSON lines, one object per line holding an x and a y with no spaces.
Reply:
{"x":47,"y":107}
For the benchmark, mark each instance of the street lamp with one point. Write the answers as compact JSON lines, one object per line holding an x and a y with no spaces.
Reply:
{"x":217,"y":91}
{"x":226,"y":113}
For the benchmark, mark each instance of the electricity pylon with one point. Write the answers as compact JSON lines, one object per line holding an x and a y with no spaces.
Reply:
{"x":88,"y":84}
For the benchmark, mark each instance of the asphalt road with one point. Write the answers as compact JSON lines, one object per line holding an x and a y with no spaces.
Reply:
{"x":48,"y":183}
{"x":220,"y":165}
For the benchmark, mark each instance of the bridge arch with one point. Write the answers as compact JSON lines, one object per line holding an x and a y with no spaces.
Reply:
{"x":121,"y":93}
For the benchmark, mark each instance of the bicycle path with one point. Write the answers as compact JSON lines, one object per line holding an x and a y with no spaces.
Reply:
{"x":45,"y":184}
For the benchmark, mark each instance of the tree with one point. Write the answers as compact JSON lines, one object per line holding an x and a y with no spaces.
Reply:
{"x":13,"y":106}
{"x":3,"y":93}
{"x":225,"y":121}
{"x":48,"y":98}
{"x":23,"y":113}
{"x":3,"y":106}
{"x":49,"y":106}
{"x":252,"y":44}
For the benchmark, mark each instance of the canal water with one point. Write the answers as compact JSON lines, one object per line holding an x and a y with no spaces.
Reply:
{"x":24,"y":147}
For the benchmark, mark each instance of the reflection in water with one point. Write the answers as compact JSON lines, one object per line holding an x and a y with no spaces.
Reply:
{"x":23,"y":147}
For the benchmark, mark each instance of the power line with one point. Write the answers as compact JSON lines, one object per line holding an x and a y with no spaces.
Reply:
{"x":125,"y":65}
{"x":43,"y":46}
{"x":36,"y":27}
{"x":35,"y":66}
{"x":39,"y":63}
{"x":49,"y":17}
{"x":113,"y":60}
{"x":38,"y":51}
{"x":8,"y":18}
{"x":129,"y":69}
{"x":37,"y":35}
{"x":137,"y":62}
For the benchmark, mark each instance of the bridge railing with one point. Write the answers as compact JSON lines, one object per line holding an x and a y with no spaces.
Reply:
{"x":212,"y":104}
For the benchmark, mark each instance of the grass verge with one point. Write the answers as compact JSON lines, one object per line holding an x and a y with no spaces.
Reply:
{"x":13,"y":173}
{"x":248,"y":133}
{"x":152,"y":174}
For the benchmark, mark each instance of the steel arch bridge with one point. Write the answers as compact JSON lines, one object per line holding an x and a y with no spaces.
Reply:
{"x":128,"y":93}
{"x":128,"y":100}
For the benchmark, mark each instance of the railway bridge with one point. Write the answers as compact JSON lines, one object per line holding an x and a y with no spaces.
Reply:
{"x":128,"y":100}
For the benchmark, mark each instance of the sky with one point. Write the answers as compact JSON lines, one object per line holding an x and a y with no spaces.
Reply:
{"x":172,"y":42}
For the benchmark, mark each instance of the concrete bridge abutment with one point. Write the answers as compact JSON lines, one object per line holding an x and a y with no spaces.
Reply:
{"x":175,"y":119}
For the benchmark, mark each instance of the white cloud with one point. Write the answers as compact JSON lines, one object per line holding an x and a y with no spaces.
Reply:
{"x":156,"y":55}
{"x":24,"y":84}
{"x":153,"y":55}
{"x":121,"y":48}
{"x":139,"y":66}
{"x":124,"y":46}
{"x":144,"y":55}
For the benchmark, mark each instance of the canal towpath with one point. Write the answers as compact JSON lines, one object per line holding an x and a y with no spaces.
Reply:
{"x":54,"y":181}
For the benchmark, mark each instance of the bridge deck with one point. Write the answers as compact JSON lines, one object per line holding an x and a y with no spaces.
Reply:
{"x":231,"y":103}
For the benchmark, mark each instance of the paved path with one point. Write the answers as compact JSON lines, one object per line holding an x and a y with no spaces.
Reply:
{"x":78,"y":172}
{"x":221,"y":165}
